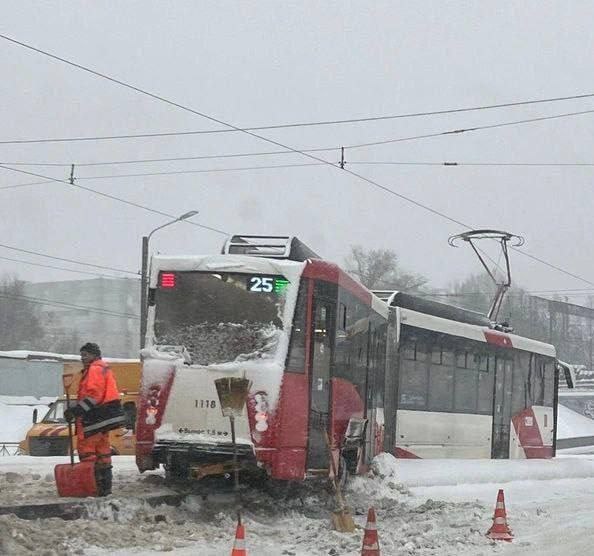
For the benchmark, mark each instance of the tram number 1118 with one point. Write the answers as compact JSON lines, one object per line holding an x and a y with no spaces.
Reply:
{"x":205,"y":404}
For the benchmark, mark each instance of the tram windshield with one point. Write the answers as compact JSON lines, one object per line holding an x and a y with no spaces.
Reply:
{"x":220,"y":317}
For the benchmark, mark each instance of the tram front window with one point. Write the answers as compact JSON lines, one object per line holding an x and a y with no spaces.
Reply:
{"x":220,"y":317}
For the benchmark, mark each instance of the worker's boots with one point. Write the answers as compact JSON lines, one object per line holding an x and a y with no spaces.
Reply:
{"x":103,"y":478}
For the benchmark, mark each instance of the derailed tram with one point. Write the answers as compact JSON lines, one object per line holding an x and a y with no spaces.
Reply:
{"x":334,"y":369}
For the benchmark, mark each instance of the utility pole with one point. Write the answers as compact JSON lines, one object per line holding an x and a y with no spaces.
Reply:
{"x":144,"y":273}
{"x":144,"y":291}
{"x":551,"y":319}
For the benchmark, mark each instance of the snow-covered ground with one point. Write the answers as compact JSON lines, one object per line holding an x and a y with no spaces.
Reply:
{"x":433,"y":507}
{"x":424,"y":507}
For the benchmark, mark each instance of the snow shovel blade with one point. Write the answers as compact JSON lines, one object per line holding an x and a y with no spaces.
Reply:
{"x":76,"y":480}
{"x":342,"y":521}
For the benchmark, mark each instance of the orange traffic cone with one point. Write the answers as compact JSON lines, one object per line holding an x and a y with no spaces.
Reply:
{"x":500,"y":530}
{"x":239,"y":544}
{"x":370,"y":541}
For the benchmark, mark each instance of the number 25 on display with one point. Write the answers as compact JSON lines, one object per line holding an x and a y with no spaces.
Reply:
{"x":258,"y":284}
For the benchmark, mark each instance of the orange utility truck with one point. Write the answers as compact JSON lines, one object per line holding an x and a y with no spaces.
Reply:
{"x":49,"y":436}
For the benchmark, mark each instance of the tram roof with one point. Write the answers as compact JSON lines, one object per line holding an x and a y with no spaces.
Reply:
{"x":456,"y":321}
{"x":435,"y":308}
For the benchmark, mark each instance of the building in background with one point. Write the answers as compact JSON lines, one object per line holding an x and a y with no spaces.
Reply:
{"x":101,"y":310}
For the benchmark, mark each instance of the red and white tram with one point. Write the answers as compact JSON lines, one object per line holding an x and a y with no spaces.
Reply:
{"x":463,"y":389}
{"x":325,"y":355}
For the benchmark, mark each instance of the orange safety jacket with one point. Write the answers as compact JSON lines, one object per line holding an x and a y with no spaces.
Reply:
{"x":99,"y":399}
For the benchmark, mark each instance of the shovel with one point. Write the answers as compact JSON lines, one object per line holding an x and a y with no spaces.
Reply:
{"x":342,"y":520}
{"x":74,"y":479}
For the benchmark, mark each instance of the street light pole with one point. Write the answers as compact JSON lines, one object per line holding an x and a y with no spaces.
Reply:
{"x":144,"y":273}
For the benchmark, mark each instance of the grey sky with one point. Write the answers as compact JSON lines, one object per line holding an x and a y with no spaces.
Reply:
{"x":259,"y":63}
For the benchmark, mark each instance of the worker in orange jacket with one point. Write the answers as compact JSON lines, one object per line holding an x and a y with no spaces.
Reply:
{"x":97,"y":411}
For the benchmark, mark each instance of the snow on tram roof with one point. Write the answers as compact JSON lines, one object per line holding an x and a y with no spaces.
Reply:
{"x":229,"y":263}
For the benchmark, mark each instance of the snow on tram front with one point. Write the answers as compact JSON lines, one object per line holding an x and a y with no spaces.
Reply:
{"x":227,"y":315}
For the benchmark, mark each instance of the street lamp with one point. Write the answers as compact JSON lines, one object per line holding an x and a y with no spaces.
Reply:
{"x":144,"y":277}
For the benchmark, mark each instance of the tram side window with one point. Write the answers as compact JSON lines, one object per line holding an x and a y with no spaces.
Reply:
{"x":538,"y":378}
{"x":296,"y":356}
{"x":549,"y":384}
{"x":441,"y":380}
{"x":519,"y":389}
{"x":486,"y":382}
{"x":351,"y":341}
{"x":413,"y":376}
{"x":466,"y":385}
{"x":377,"y":363}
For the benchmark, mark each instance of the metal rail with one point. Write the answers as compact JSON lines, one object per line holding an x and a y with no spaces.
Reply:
{"x":10,"y":449}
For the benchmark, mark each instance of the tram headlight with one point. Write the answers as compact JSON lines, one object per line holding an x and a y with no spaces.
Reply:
{"x":261,"y":407}
{"x":261,"y":400}
{"x":152,"y":404}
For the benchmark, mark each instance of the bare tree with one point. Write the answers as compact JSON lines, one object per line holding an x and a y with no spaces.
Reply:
{"x":379,"y":269}
{"x":19,"y":323}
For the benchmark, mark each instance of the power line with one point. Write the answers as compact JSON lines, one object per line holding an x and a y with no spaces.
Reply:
{"x":52,"y":302}
{"x":281,"y":126}
{"x":174,"y":172}
{"x":29,"y":252}
{"x":60,"y":268}
{"x":25,"y":184}
{"x":456,"y":164}
{"x":476,"y":128}
{"x":112,"y":197}
{"x":302,"y":165}
{"x":204,"y":171}
{"x":448,"y":163}
{"x":271,"y":141}
{"x":247,"y":130}
{"x":565,"y":292}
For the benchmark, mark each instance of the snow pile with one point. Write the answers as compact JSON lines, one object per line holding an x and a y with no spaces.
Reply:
{"x":29,"y":479}
{"x":412,"y":473}
{"x":571,"y":424}
{"x":292,"y":522}
{"x":17,"y":418}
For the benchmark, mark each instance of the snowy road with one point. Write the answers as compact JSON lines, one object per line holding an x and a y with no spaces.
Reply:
{"x":439,"y":507}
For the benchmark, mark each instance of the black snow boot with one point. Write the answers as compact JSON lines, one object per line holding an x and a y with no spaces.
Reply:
{"x":103,"y":478}
{"x":107,"y":480}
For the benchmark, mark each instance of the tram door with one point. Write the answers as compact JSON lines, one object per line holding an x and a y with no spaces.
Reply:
{"x":321,"y":357}
{"x":502,"y":408}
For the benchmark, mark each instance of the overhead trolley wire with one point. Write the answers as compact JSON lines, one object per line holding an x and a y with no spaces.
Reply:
{"x":25,"y":184}
{"x":470,"y":129}
{"x":455,"y":163}
{"x":262,"y":138}
{"x":113,"y":198}
{"x":307,"y":164}
{"x":172,"y":173}
{"x":61,"y":268}
{"x":52,"y":302}
{"x":203,"y":171}
{"x":282,"y":126}
{"x":321,"y":149}
{"x":37,"y":253}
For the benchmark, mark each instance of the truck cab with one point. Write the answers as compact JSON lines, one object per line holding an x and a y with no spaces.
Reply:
{"x":49,"y":436}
